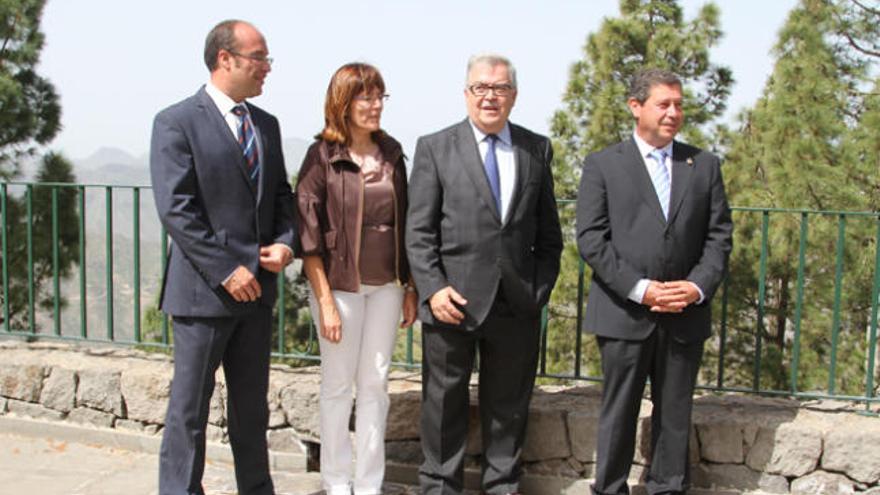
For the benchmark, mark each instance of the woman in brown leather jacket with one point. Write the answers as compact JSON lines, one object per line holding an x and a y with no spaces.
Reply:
{"x":351,"y":207}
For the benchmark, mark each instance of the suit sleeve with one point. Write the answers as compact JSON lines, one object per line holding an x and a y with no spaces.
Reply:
{"x":593,"y":233}
{"x":548,"y":242}
{"x":175,"y":187}
{"x":423,"y":223}
{"x":285,"y":227}
{"x":710,"y":269}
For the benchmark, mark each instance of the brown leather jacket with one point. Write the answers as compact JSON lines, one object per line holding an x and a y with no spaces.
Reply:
{"x":329,"y":192}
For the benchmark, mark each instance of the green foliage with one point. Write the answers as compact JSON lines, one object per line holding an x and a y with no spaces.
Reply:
{"x":29,"y":109}
{"x":807,"y":143}
{"x":648,"y":33}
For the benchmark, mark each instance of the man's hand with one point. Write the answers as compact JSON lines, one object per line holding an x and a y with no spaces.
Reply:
{"x":670,"y":297}
{"x":243,"y":286}
{"x":443,"y":305}
{"x":410,"y":308}
{"x":275,"y":257}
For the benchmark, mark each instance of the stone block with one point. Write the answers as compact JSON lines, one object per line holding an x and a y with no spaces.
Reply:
{"x":91,"y":417}
{"x":21,"y":382}
{"x":546,"y":436}
{"x":721,"y":442}
{"x":146,"y":390}
{"x":737,"y":476}
{"x":404,"y":452}
{"x":557,"y":468}
{"x":474,"y":440}
{"x":129,"y":425}
{"x":277,"y":419}
{"x":285,"y":440}
{"x":59,"y":390}
{"x":101,"y":390}
{"x":214,"y":433}
{"x":822,"y":483}
{"x":3,"y":402}
{"x":582,"y":427}
{"x":152,"y":429}
{"x":642,"y":452}
{"x":403,"y":415}
{"x":31,"y":410}
{"x":301,"y":407}
{"x":788,"y":449}
{"x":217,"y":412}
{"x":854,"y":449}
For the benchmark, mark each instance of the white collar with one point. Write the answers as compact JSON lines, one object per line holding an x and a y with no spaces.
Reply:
{"x":645,"y":149}
{"x":503,"y":136}
{"x":224,"y":103}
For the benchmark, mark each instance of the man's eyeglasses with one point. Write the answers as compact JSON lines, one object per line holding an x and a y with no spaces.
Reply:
{"x":260,"y":59}
{"x":482,"y":89}
{"x":368,"y":99}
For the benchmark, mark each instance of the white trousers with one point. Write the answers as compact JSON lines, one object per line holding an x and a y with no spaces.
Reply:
{"x":359,"y":361}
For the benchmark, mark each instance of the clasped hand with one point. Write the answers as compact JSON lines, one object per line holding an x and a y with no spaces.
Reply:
{"x":443,"y":305}
{"x":670,"y":297}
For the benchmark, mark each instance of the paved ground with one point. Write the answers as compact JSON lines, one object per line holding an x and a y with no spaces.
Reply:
{"x":42,"y":466}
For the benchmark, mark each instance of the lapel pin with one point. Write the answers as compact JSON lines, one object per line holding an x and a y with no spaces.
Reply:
{"x":690,"y":162}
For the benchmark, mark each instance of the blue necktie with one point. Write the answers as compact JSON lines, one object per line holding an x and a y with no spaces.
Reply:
{"x":660,"y":178}
{"x":247,"y":141}
{"x":491,"y":166}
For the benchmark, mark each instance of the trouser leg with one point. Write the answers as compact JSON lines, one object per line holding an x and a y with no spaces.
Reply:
{"x":625,"y":366}
{"x":246,"y":368}
{"x":381,"y":318}
{"x":672,"y":386}
{"x":339,"y":363}
{"x":198,"y":349}
{"x":447,"y":362}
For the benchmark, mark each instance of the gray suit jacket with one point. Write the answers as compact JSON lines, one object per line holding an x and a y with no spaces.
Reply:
{"x":216,"y":216}
{"x":622,"y":235}
{"x":454,"y":233}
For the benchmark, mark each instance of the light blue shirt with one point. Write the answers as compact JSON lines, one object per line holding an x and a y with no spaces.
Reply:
{"x":504,"y":156}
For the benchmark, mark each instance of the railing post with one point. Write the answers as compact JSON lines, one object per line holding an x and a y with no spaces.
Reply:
{"x":799,"y":305}
{"x":108,"y":249}
{"x":579,"y":320}
{"x":5,"y":246}
{"x":56,"y":285}
{"x":136,"y":233}
{"x":762,"y":293}
{"x":838,"y":283}
{"x":279,"y":303}
{"x":722,"y":339}
{"x":83,"y":308}
{"x":872,"y":335}
{"x":164,"y":257}
{"x":29,"y":208}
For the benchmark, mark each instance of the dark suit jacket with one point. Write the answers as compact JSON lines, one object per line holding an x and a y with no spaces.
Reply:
{"x":216,"y":216}
{"x":622,"y":235}
{"x":455,"y":235}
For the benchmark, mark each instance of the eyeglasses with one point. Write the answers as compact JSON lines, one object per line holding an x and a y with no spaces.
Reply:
{"x":260,"y":59}
{"x":482,"y":89}
{"x":368,"y":99}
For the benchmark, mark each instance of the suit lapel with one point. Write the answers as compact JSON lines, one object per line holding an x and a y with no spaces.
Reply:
{"x":635,"y":166}
{"x":523,"y":162}
{"x":469,"y":157}
{"x":226,"y":139}
{"x":681,"y":179}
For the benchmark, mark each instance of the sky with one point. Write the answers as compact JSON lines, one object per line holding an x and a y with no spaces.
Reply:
{"x":116,"y":63}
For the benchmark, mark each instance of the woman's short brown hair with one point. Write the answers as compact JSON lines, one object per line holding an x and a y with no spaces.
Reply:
{"x":349,"y":81}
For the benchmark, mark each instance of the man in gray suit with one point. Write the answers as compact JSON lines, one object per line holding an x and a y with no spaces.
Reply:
{"x":222,"y":194}
{"x":654,"y":225}
{"x":483,"y":241}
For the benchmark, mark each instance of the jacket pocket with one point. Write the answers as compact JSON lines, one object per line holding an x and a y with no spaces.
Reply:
{"x":330,"y":240}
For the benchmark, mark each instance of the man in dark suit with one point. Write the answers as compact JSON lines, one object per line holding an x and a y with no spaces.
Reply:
{"x":483,"y":241}
{"x":222,"y":194}
{"x":654,"y":225}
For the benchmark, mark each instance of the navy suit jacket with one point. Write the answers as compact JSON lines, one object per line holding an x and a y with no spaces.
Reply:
{"x":216,"y":216}
{"x":623,"y":236}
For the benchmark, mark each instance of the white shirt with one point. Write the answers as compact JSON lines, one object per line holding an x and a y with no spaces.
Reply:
{"x":637,"y":294}
{"x":504,"y":156}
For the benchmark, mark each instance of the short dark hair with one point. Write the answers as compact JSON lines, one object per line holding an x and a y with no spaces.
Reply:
{"x":222,"y":37}
{"x":641,"y":83}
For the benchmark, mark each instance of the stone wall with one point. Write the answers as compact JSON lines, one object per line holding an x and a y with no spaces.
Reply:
{"x":741,"y":443}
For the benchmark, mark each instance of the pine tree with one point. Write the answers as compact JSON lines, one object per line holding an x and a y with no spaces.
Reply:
{"x":648,"y":33}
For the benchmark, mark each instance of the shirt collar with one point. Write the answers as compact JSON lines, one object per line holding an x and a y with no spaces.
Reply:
{"x":224,"y":103}
{"x":645,"y":149}
{"x":503,"y":136}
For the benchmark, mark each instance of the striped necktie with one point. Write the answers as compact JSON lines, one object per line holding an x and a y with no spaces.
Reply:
{"x":247,"y":141}
{"x":660,"y":178}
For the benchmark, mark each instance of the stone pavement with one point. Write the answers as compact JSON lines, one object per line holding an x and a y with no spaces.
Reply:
{"x":46,"y":466}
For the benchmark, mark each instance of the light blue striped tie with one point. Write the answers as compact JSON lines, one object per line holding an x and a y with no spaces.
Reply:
{"x":247,"y":141}
{"x":660,"y":178}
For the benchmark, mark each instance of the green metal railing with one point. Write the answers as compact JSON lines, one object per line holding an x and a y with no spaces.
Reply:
{"x":785,"y":320}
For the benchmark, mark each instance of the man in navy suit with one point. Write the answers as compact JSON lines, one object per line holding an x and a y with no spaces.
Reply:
{"x":654,"y":225}
{"x":222,"y":194}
